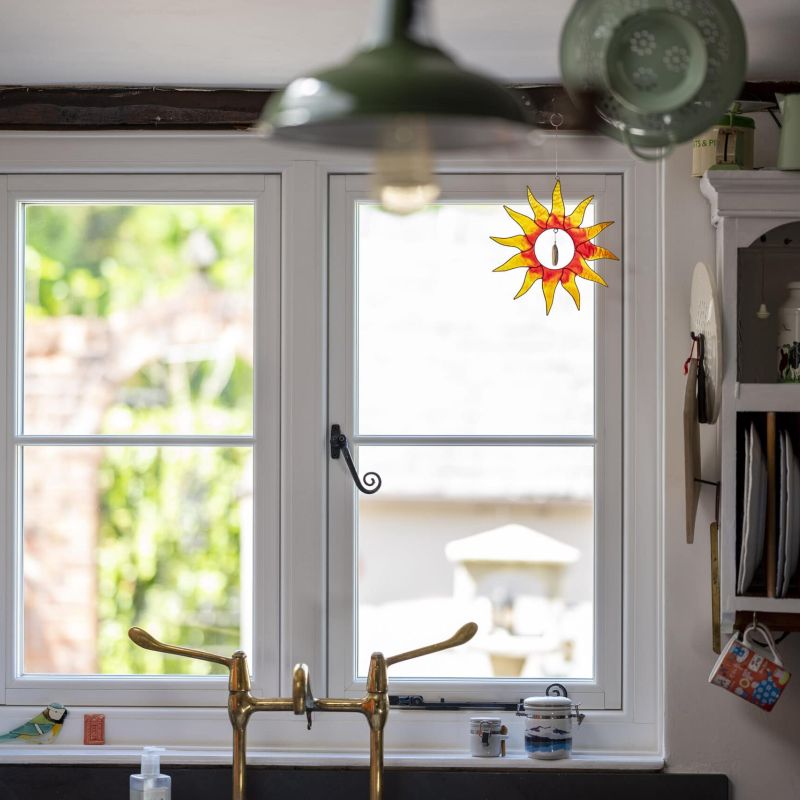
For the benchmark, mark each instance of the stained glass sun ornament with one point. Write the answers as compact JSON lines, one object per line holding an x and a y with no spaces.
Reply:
{"x":554,"y":248}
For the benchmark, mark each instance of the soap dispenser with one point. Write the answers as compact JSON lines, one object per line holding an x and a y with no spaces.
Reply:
{"x":151,"y":784}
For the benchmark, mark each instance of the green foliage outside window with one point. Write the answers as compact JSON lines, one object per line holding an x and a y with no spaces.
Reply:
{"x":93,"y":260}
{"x":171,"y":518}
{"x":168,"y":558}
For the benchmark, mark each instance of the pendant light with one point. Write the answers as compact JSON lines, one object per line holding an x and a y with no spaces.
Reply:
{"x":402,"y":97}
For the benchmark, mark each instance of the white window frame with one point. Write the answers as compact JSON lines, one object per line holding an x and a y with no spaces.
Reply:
{"x":260,"y":619}
{"x":604,"y":690}
{"x":633,"y":735}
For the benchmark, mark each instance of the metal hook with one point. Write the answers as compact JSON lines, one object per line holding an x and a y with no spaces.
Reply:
{"x":339,"y":445}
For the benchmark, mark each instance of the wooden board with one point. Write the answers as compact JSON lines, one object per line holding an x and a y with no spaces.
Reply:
{"x":174,"y":108}
{"x":775,"y":621}
{"x":716,"y":642}
{"x":771,"y":550}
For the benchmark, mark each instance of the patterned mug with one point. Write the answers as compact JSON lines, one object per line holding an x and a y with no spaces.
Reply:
{"x":749,"y":674}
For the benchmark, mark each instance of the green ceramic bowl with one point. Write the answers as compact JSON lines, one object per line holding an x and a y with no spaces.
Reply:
{"x":657,"y":72}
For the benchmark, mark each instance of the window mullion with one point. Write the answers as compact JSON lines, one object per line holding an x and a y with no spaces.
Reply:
{"x":260,"y":568}
{"x":610,"y":456}
{"x":303,"y":504}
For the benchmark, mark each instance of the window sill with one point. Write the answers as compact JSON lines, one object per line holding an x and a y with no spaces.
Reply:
{"x":594,"y":762}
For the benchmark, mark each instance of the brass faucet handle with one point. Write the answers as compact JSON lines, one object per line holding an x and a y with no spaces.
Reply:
{"x":461,"y":636}
{"x":303,"y":700}
{"x":148,"y":642}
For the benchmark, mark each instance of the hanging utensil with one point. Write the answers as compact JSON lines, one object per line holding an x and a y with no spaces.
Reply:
{"x":716,"y":625}
{"x":691,"y":445}
{"x":702,"y":406}
{"x":654,"y":73}
{"x":704,"y":315}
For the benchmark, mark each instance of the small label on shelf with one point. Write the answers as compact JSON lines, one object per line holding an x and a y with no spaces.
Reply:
{"x":94,"y":728}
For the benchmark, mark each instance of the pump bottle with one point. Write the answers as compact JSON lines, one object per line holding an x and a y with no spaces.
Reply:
{"x":151,"y":784}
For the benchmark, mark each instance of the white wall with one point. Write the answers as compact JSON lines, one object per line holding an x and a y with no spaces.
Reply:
{"x":707,"y":729}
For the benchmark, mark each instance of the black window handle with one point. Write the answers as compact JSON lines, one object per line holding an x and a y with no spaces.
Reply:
{"x":339,"y":446}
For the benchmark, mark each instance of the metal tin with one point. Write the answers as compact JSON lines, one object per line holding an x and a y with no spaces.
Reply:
{"x":486,"y":735}
{"x":728,"y":144}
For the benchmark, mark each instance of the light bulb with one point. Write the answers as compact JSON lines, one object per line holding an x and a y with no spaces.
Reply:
{"x":404,"y":180}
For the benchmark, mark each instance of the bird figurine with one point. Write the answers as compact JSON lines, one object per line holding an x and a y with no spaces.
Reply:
{"x":42,"y":729}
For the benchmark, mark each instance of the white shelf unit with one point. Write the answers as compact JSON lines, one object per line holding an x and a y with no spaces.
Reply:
{"x":745,"y":205}
{"x":765,"y":605}
{"x":767,"y":396}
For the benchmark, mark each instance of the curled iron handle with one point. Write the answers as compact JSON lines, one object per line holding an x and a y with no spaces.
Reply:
{"x":372,"y":481}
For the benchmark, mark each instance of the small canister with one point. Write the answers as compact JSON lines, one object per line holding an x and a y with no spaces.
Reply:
{"x":548,"y":724}
{"x":727,"y":145}
{"x":486,"y":735}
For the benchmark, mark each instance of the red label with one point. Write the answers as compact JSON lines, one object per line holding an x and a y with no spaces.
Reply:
{"x":94,"y":728}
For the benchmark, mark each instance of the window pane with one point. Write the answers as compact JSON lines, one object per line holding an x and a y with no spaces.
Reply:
{"x":138,"y":318}
{"x":503,"y":536}
{"x":121,"y":536}
{"x":443,"y":347}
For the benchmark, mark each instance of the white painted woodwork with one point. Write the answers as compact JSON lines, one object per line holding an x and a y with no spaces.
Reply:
{"x":604,"y":690}
{"x":297,"y":275}
{"x":744,"y":205}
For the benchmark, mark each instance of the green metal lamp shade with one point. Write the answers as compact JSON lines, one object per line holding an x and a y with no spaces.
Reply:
{"x":350,"y":105}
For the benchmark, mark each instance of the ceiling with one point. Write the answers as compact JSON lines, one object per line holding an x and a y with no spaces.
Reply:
{"x":245,"y":43}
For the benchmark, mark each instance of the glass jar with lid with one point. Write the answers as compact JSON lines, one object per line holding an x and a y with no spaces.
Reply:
{"x":548,"y":723}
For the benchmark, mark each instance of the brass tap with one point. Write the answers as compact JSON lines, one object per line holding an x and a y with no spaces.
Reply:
{"x":242,"y":704}
{"x":374,"y":705}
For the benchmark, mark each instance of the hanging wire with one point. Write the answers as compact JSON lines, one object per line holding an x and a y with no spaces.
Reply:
{"x":556,"y":121}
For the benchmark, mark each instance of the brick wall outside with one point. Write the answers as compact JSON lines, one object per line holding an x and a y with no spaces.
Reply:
{"x":74,"y":367}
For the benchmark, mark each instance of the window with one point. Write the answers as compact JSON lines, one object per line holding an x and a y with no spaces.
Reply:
{"x":136,"y":428}
{"x":497,"y":433}
{"x":214,"y":306}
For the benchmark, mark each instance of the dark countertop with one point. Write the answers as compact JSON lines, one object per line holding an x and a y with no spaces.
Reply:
{"x":87,"y":782}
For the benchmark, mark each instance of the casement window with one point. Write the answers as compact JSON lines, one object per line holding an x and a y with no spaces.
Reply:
{"x":186,"y":317}
{"x":497,"y":431}
{"x":142,"y":330}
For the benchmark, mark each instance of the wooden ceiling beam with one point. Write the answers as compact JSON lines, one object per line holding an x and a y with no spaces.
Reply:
{"x":65,"y":108}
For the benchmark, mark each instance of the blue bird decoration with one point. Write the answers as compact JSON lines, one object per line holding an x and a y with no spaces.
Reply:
{"x":42,"y":729}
